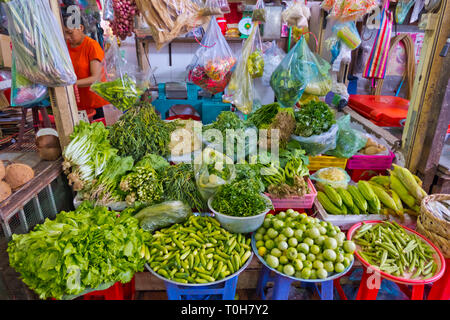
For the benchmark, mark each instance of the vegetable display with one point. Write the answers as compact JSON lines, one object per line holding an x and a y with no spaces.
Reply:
{"x":391,"y":249}
{"x":303,"y":247}
{"x":79,"y":250}
{"x":197,"y":251}
{"x":121,"y":92}
{"x":314,"y":118}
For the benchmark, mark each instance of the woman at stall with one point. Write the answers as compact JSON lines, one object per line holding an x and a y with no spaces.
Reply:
{"x":87,"y":56}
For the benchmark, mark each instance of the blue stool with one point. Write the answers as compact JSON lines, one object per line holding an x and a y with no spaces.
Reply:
{"x":222,"y":291}
{"x":282,"y":285}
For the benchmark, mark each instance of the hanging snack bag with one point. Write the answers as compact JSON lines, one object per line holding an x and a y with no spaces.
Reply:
{"x":214,"y":8}
{"x":213,"y":62}
{"x":259,"y":13}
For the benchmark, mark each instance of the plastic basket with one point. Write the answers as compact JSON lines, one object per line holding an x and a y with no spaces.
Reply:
{"x":319,"y":162}
{"x":375,"y":162}
{"x":363,"y":174}
{"x":305,"y":202}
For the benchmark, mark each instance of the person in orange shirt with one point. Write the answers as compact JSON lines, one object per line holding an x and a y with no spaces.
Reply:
{"x":87,"y":56}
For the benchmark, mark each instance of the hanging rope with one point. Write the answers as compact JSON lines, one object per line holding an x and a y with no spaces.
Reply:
{"x":410,"y":68}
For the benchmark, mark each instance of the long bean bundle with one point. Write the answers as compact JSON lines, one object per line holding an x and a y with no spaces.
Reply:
{"x":41,"y":53}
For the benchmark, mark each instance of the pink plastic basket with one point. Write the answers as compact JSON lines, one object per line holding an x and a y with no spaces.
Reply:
{"x":371,"y":162}
{"x":305,"y":202}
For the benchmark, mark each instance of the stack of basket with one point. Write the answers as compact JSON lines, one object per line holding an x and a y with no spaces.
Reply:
{"x":435,"y":229}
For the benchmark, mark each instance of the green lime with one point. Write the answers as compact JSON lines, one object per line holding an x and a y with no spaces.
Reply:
{"x":330,"y":243}
{"x":298,"y":234}
{"x":346,"y":262}
{"x":329,"y":255}
{"x":313,"y":274}
{"x":272,"y":233}
{"x":315,"y":249}
{"x":288,"y":270}
{"x":303,"y":247}
{"x":298,"y":264}
{"x":307,"y":264}
{"x":258,"y":236}
{"x":320,"y":257}
{"x":339,"y":257}
{"x":281,"y":237}
{"x":311,"y":257}
{"x":306,"y":273}
{"x":291,"y":253}
{"x":339,"y":267}
{"x":266,"y":237}
{"x":281,"y":215}
{"x":292,"y":242}
{"x":329,"y":266}
{"x":298,"y":274}
{"x":284,"y":260}
{"x":282,"y":245}
{"x":277,"y":224}
{"x":331,"y":233}
{"x":319,"y":240}
{"x":322,"y":230}
{"x":322,"y":273}
{"x":270,"y":244}
{"x":261,"y":230}
{"x":267,"y":223}
{"x":276,"y":252}
{"x":317,"y":264}
{"x":262,"y":251}
{"x":259,"y":243}
{"x":288,"y":232}
{"x":349,"y":246}
{"x":272,"y":261}
{"x":313,"y":233}
{"x":280,"y":268}
{"x":308,"y":241}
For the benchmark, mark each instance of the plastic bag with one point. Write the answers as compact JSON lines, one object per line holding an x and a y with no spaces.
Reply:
{"x":255,"y":62}
{"x":214,"y":8}
{"x":320,"y":82}
{"x":38,"y":43}
{"x":319,"y":144}
{"x":163,"y":215}
{"x":348,"y":10}
{"x":272,"y":58}
{"x":213,"y":62}
{"x":347,"y":34}
{"x":108,"y":10}
{"x":259,"y":12}
{"x":169,"y":19}
{"x":119,"y":86}
{"x":402,"y":9}
{"x":23,"y":91}
{"x":212,"y":170}
{"x":296,"y":14}
{"x":420,"y":4}
{"x":336,"y":177}
{"x":349,"y":141}
{"x":240,"y":90}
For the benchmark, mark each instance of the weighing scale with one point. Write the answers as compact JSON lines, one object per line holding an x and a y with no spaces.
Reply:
{"x":245,"y":26}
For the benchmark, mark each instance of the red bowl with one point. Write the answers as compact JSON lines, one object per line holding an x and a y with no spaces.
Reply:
{"x":439,"y":258}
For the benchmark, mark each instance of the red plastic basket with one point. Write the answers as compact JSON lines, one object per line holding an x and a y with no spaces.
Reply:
{"x":376,"y":162}
{"x":305,"y":202}
{"x":363,"y":174}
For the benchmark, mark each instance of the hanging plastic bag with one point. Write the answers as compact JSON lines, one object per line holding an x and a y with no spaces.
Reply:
{"x":420,"y":4}
{"x":214,"y":8}
{"x":119,"y":85}
{"x":402,"y":9}
{"x":108,"y":10}
{"x":240,"y":91}
{"x":347,"y":34}
{"x":255,"y":62}
{"x":319,"y":144}
{"x":163,"y":215}
{"x":38,"y":43}
{"x":23,"y":91}
{"x":213,"y":62}
{"x":319,"y":82}
{"x":212,"y":170}
{"x":296,"y":14}
{"x":349,"y":141}
{"x":348,"y":10}
{"x":259,"y":12}
{"x":272,"y":58}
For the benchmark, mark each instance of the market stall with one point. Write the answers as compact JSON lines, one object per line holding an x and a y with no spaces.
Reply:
{"x":201,"y":186}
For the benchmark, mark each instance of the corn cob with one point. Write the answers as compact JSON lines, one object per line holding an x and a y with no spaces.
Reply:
{"x":327,"y":204}
{"x":366,"y":191}
{"x":383,"y":181}
{"x":346,"y":197}
{"x":333,"y":195}
{"x":384,"y":197}
{"x":397,"y":200}
{"x":407,"y":178}
{"x":358,"y":199}
{"x":402,"y":192}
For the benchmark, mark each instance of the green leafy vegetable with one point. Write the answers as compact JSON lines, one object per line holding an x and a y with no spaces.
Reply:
{"x":314,"y":118}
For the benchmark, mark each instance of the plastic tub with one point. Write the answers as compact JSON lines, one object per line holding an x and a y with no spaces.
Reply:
{"x":375,"y":162}
{"x":240,"y":224}
{"x":305,"y":202}
{"x":320,"y":162}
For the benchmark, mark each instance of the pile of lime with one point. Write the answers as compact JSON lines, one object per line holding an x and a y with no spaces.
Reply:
{"x":303,"y":247}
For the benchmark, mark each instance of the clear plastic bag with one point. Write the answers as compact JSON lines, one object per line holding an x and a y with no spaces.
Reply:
{"x":349,"y":141}
{"x":213,"y":62}
{"x":23,"y":91}
{"x":108,"y":10}
{"x":240,"y":90}
{"x":320,"y":81}
{"x":259,"y":12}
{"x":348,"y":10}
{"x":348,"y":34}
{"x":214,"y":8}
{"x":163,"y":215}
{"x":272,"y":58}
{"x":297,"y":14}
{"x":402,"y":9}
{"x":38,"y":43}
{"x":340,"y":178}
{"x":319,"y":144}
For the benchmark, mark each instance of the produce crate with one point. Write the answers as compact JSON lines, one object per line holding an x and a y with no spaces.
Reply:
{"x":319,"y":162}
{"x":375,"y":162}
{"x":305,"y":202}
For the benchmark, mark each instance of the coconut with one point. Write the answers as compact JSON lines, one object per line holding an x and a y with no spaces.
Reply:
{"x":5,"y":190}
{"x":2,"y":170}
{"x":48,"y":144}
{"x":17,"y":174}
{"x":49,"y":153}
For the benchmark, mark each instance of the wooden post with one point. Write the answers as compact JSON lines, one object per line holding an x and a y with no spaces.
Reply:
{"x":62,"y":99}
{"x":426,"y":114}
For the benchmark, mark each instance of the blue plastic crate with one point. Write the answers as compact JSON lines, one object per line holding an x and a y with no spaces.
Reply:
{"x":222,"y":291}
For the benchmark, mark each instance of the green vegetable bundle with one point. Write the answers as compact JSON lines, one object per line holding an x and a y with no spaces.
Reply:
{"x":255,"y":64}
{"x":314,"y":118}
{"x":121,"y":92}
{"x":198,"y":251}
{"x":240,"y":199}
{"x":140,"y":131}
{"x":79,"y":251}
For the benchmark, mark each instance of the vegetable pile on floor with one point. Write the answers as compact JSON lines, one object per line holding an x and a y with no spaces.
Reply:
{"x":197,"y":251}
{"x":79,"y":250}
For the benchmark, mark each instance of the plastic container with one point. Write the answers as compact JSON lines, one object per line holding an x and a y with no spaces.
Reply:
{"x":363,"y":174}
{"x":240,"y":224}
{"x":305,"y":202}
{"x":320,"y":162}
{"x":438,"y":257}
{"x":352,"y":87}
{"x":224,"y":289}
{"x":375,"y":162}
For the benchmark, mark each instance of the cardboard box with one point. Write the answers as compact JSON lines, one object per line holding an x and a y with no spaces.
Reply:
{"x":5,"y":51}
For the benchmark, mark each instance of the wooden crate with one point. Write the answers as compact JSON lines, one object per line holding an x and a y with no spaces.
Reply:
{"x":5,"y":51}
